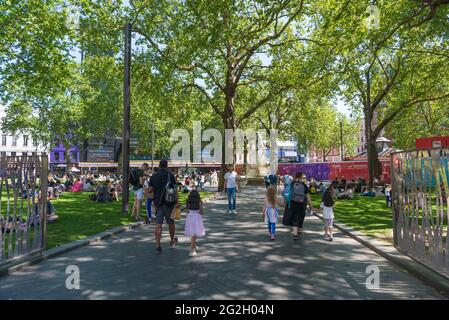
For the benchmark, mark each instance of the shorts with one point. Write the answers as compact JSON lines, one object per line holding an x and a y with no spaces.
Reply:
{"x":138,"y":194}
{"x":164,"y":212}
{"x":328,"y":222}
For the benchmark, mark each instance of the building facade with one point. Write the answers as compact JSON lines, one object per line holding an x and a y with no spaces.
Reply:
{"x":57,"y":156}
{"x":18,"y":143}
{"x":315,"y":155}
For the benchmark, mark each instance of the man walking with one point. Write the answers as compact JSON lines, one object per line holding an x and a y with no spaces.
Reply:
{"x":160,"y":184}
{"x":137,"y":180}
{"x":231,"y":186}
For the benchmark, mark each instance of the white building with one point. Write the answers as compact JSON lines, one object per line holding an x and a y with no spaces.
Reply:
{"x":17,"y":144}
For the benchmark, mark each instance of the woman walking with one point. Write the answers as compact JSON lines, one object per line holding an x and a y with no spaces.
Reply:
{"x":295,"y":208}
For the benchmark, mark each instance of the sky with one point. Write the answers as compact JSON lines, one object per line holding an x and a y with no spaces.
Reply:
{"x":343,"y":108}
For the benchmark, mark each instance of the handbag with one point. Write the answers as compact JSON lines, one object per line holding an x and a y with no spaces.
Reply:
{"x":176,"y":213}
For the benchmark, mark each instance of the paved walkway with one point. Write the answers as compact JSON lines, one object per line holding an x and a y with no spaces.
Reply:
{"x":235,"y":261}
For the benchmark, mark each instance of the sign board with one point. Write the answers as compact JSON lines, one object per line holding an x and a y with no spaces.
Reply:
{"x":99,"y":155}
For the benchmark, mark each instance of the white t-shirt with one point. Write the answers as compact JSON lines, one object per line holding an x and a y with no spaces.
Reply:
{"x":231,"y":178}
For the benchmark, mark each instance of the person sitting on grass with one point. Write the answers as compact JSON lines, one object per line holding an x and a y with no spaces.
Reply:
{"x":52,"y":193}
{"x":51,"y":212}
{"x":367,"y":193}
{"x":112,"y":192}
{"x":348,"y":194}
{"x":103,"y":194}
{"x":77,"y":186}
{"x":88,"y":187}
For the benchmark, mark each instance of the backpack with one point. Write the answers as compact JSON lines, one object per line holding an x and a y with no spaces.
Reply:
{"x":170,"y":193}
{"x":298,"y":192}
{"x":273,"y":179}
{"x":287,"y":193}
{"x":133,"y":179}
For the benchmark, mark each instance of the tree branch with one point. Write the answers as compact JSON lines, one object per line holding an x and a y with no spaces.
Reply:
{"x":209,"y":98}
{"x":391,"y":82}
{"x":406,"y":105}
{"x":261,"y":102}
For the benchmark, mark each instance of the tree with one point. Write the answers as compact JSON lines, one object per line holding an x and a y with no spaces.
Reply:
{"x":383,"y":69}
{"x":33,"y":48}
{"x":424,"y":120}
{"x":222,"y":47}
{"x":61,"y":116}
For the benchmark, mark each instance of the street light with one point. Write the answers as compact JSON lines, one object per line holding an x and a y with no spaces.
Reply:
{"x":341,"y":140}
{"x":126,"y":117}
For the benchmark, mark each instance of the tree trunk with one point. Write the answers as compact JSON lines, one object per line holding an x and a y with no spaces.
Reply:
{"x":228,"y":123}
{"x":374,"y":165}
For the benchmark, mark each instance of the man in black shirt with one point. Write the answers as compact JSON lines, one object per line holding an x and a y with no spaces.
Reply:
{"x":157,"y":185}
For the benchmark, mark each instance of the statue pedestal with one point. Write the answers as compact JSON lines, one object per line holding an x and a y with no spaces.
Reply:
{"x":251,"y":171}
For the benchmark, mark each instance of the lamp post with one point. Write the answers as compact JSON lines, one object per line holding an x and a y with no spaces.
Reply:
{"x":152,"y":147}
{"x":341,"y":140}
{"x":126,"y":118}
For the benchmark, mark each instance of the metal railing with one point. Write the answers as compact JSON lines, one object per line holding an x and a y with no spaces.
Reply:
{"x":420,"y":196}
{"x":23,"y":206}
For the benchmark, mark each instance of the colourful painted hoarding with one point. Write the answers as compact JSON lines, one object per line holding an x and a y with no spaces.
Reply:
{"x":349,"y":170}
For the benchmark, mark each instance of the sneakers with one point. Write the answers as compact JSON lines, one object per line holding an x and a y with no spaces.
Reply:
{"x":272,"y":238}
{"x":229,"y":211}
{"x":326,"y":236}
{"x":174,"y":242}
{"x":234,"y":212}
{"x":192,"y":253}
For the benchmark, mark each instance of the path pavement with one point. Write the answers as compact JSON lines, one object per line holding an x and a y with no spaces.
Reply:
{"x":235,"y":261}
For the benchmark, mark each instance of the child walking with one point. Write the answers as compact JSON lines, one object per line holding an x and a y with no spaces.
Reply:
{"x":270,"y":212}
{"x":194,"y":222}
{"x":327,"y":205}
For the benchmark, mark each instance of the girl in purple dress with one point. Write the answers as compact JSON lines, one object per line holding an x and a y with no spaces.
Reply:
{"x":194,"y":222}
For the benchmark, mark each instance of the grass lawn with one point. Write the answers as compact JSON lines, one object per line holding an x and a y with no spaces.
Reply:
{"x":80,"y":217}
{"x":366,"y":214}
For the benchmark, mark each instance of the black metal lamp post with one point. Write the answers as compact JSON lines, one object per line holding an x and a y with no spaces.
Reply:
{"x":126,"y":118}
